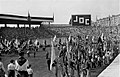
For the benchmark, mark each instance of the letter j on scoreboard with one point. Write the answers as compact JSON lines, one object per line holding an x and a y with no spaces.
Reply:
{"x":81,"y":20}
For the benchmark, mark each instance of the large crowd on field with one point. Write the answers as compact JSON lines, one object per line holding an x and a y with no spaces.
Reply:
{"x":76,"y":54}
{"x":19,"y":67}
{"x":15,"y":46}
{"x":81,"y":55}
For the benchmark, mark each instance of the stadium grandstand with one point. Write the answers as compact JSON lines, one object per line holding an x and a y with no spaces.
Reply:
{"x":25,"y":31}
{"x":108,"y":26}
{"x":28,"y":38}
{"x":113,"y":20}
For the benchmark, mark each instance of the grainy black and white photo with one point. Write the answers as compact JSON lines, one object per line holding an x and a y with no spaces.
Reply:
{"x":59,"y":38}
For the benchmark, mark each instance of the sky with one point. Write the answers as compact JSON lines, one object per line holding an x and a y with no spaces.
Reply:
{"x":62,"y":9}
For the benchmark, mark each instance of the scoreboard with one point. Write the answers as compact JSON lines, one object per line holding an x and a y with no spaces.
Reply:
{"x":81,"y":20}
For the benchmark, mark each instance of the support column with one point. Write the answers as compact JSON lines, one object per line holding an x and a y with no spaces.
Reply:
{"x":40,"y":25}
{"x":17,"y":25}
{"x":24,"y":25}
{"x":49,"y":23}
{"x":5,"y":25}
{"x":29,"y":25}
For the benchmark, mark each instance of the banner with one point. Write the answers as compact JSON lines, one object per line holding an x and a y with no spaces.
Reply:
{"x":53,"y":56}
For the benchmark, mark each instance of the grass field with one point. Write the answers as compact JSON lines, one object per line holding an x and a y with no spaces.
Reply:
{"x":39,"y":64}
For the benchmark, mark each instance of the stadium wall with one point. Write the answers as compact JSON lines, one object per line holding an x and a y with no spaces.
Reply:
{"x":113,"y":20}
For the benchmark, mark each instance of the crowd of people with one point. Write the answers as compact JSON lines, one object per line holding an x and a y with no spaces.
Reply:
{"x":17,"y":68}
{"x":21,"y":66}
{"x":81,"y":55}
{"x":15,"y":46}
{"x":75,"y":55}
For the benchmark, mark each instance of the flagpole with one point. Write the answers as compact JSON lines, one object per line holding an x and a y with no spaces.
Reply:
{"x":71,"y":21}
{"x":96,"y":23}
{"x":29,"y":20}
{"x":53,"y":17}
{"x":109,"y":26}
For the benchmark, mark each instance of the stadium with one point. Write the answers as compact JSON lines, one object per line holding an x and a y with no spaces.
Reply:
{"x":37,"y":40}
{"x":59,"y":38}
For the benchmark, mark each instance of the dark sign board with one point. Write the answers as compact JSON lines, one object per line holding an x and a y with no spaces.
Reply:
{"x":81,"y":20}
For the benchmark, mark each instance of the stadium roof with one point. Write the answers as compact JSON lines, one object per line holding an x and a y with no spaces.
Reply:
{"x":16,"y":19}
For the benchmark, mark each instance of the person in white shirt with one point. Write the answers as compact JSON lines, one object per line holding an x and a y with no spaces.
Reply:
{"x":21,"y":65}
{"x":11,"y":69}
{"x":107,"y":55}
{"x":30,"y":71}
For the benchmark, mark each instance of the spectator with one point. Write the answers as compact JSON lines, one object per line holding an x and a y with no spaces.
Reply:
{"x":11,"y":69}
{"x":44,"y":45}
{"x":2,"y":69}
{"x":107,"y":57}
{"x":21,"y":65}
{"x":30,"y":71}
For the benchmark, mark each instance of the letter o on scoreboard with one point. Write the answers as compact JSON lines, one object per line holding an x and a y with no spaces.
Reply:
{"x":81,"y":20}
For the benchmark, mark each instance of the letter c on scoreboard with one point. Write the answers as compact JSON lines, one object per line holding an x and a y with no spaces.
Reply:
{"x":87,"y":21}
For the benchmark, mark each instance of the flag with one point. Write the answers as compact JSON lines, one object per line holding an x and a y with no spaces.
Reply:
{"x":70,"y":41}
{"x":53,"y":56}
{"x":69,"y":47}
{"x":67,"y":44}
{"x":102,"y":36}
{"x":54,"y":38}
{"x":69,"y":38}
